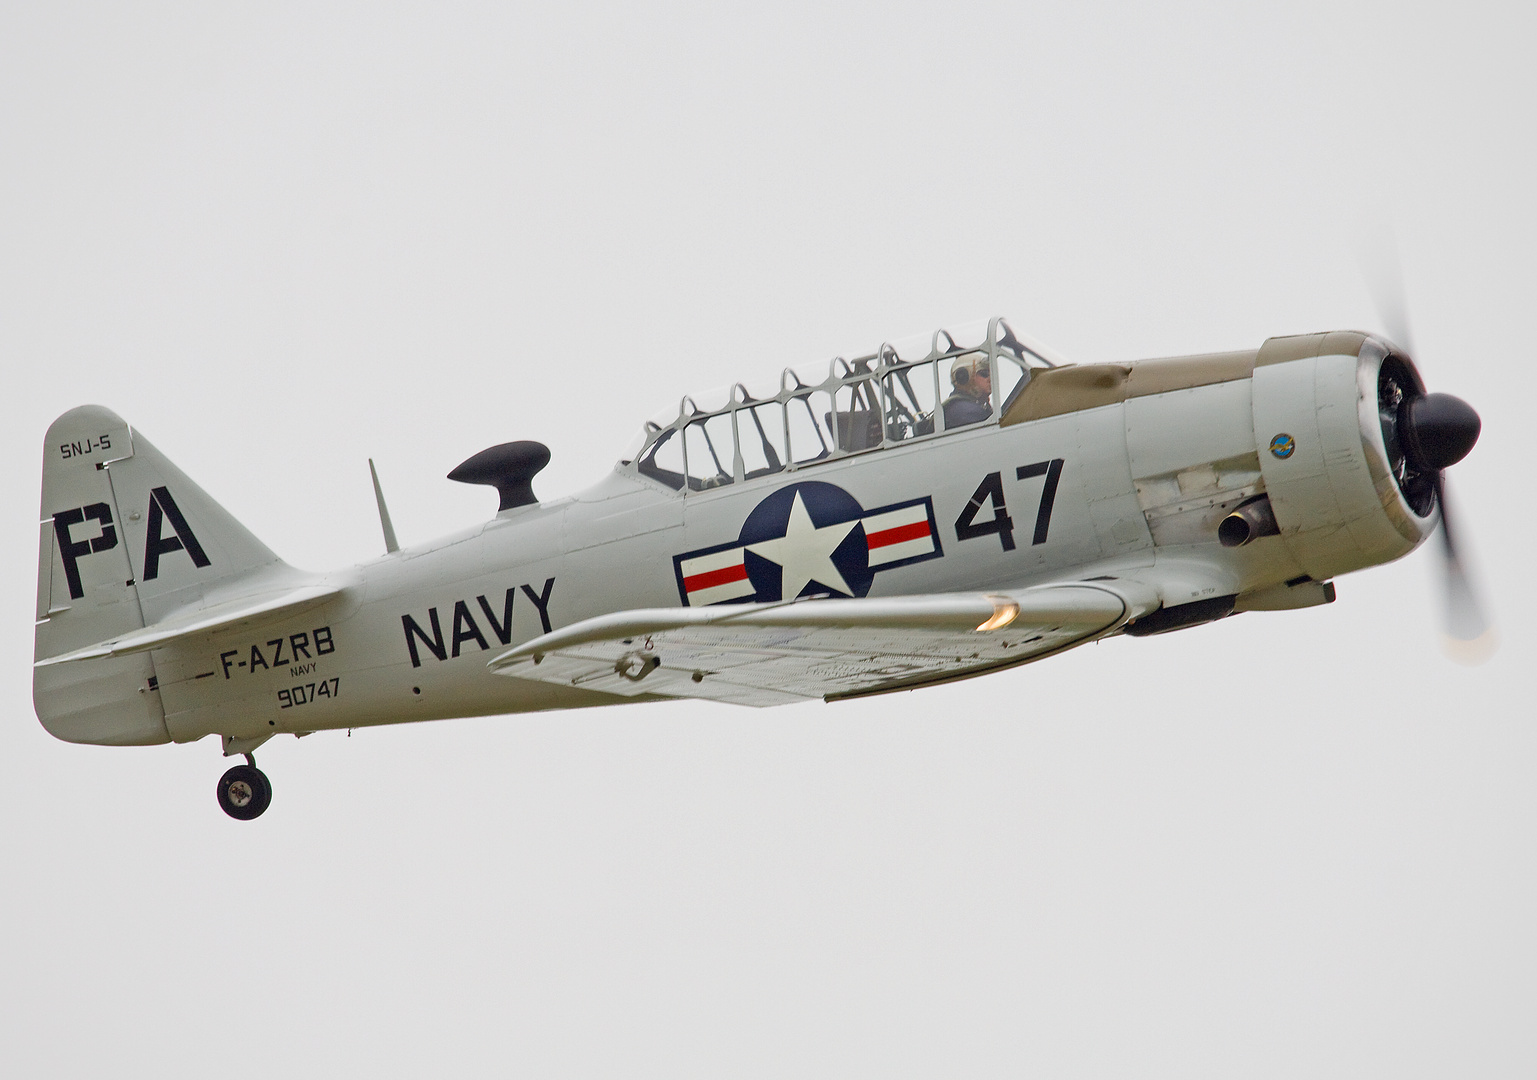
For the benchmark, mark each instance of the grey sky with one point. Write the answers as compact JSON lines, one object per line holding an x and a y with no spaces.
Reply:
{"x":280,"y":240}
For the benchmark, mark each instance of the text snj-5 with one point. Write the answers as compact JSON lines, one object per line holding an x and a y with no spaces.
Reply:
{"x":305,"y":693}
{"x":82,"y":447}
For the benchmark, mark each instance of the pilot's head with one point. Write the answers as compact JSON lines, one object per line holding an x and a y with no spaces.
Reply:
{"x":971,"y":375}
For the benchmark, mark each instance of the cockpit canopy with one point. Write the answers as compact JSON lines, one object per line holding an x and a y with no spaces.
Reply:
{"x":905,"y":391}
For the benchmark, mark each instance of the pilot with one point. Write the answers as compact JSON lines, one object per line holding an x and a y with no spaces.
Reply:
{"x":970,"y":399}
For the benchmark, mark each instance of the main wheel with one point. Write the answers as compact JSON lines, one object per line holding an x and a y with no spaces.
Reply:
{"x":244,"y":792}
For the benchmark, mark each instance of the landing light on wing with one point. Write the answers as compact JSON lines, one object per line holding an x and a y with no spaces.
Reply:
{"x":1004,"y":612}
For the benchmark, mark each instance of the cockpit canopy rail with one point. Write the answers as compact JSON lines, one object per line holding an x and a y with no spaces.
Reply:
{"x":894,"y":395}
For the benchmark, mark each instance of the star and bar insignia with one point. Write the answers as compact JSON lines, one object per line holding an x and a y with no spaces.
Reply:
{"x":808,"y":539}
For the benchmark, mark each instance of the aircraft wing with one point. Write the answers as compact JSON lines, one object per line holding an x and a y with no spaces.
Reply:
{"x":775,"y":654}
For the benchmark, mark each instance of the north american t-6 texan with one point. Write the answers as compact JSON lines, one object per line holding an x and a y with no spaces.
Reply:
{"x":938,"y":509}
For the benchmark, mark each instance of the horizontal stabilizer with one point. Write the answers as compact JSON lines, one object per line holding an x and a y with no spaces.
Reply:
{"x":184,"y":625}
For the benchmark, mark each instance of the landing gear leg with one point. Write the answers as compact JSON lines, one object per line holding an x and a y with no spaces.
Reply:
{"x":244,"y":791}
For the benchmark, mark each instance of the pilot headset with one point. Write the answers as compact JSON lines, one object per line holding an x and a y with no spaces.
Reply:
{"x":968,"y":366}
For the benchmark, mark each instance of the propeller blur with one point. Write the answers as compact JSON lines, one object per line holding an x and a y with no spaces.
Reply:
{"x":1437,"y":430}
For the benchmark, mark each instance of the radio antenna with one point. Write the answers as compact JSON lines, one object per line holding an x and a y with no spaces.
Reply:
{"x":391,"y":545}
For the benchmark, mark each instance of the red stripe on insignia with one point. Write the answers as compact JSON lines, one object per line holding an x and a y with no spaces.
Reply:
{"x":898,"y":535}
{"x":711,"y":578}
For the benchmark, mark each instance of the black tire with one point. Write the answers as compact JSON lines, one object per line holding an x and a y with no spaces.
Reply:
{"x":244,"y":792}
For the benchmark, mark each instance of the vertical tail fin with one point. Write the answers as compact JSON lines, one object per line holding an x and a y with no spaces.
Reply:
{"x":125,"y":539}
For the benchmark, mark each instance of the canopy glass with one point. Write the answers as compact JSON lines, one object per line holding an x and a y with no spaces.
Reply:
{"x":910,"y":389}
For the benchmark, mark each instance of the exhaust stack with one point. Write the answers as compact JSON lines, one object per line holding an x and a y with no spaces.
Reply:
{"x":1253,"y":519}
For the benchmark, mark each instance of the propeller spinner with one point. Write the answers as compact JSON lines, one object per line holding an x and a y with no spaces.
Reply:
{"x":1437,"y":430}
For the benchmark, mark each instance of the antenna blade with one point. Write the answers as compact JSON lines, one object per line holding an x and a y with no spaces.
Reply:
{"x":391,"y":545}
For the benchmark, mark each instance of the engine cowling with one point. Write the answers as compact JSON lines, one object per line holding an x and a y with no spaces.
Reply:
{"x":1345,"y":490}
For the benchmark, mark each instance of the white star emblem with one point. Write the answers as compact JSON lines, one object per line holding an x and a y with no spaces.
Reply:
{"x":805,"y":552}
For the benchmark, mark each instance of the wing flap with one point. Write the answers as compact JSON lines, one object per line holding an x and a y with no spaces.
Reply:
{"x":771,"y":654}
{"x":183,"y":626}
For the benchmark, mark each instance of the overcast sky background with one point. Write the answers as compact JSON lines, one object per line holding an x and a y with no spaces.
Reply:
{"x":279,"y":239}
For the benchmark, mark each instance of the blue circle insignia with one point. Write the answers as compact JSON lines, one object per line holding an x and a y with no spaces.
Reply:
{"x":805,"y":540}
{"x":1283,"y":445}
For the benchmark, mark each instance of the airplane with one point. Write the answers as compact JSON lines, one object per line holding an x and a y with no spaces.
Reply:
{"x":942,"y":508}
